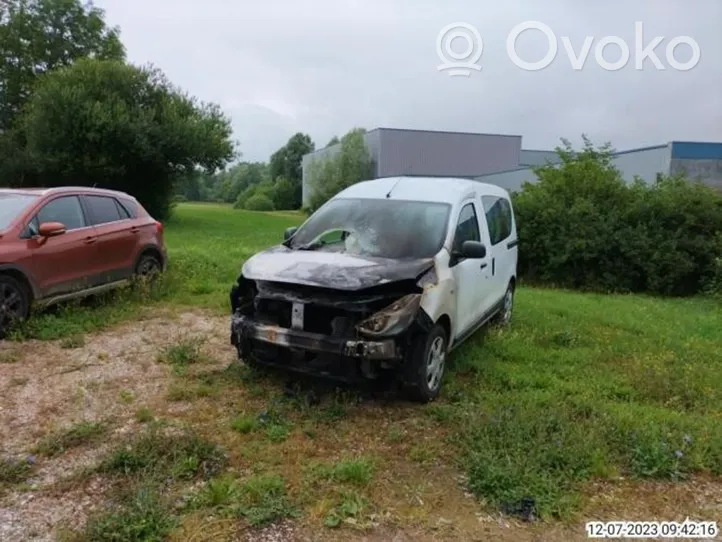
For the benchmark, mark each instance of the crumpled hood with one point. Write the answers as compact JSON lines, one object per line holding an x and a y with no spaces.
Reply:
{"x":330,"y":269}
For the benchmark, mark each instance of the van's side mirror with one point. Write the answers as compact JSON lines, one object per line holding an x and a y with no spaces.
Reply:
{"x":473,"y":250}
{"x":290,"y":232}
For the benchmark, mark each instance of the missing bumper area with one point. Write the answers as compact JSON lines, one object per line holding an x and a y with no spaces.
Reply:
{"x":244,"y":328}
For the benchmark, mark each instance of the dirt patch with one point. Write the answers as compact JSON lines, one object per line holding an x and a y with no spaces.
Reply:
{"x":49,"y":388}
{"x":417,"y":492}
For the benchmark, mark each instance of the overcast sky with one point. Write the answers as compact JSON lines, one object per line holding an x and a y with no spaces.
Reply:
{"x":324,"y":66}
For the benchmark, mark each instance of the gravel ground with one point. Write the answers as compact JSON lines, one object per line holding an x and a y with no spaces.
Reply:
{"x":48,"y":388}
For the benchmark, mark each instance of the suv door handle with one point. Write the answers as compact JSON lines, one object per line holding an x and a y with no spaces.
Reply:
{"x":134,"y":229}
{"x":484,"y":265}
{"x":90,"y":240}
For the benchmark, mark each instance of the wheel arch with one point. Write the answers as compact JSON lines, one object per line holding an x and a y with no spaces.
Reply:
{"x":19,"y":274}
{"x":445,"y":322}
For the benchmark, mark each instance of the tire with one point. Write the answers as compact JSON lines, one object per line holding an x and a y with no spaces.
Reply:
{"x":14,"y":303}
{"x":148,"y":266}
{"x":503,"y":318}
{"x":426,"y":365}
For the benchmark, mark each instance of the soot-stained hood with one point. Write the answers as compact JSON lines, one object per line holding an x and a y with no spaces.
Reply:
{"x":334,"y":270}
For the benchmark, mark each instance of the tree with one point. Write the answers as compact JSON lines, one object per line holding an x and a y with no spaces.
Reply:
{"x":285,"y":195}
{"x":117,"y":126}
{"x":37,"y":36}
{"x":333,"y":141}
{"x":286,"y":162}
{"x":352,"y":164}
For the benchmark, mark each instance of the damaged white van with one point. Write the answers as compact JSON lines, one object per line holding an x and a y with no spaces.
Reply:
{"x":383,"y":281}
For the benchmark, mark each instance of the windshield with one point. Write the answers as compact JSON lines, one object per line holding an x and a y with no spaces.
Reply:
{"x":381,"y":228}
{"x":11,"y":205}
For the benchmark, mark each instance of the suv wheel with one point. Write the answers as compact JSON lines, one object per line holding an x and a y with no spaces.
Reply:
{"x":14,"y":303}
{"x":148,"y":267}
{"x":427,"y":364}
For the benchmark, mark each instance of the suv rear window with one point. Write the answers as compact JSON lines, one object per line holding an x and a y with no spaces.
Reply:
{"x":129,"y":207}
{"x":104,"y":209}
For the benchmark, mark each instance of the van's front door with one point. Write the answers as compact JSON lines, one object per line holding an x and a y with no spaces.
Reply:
{"x":470,"y":275}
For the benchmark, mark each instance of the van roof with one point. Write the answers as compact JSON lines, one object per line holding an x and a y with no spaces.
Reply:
{"x":439,"y":189}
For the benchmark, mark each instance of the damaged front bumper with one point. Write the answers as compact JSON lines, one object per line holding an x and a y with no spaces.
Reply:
{"x":244,"y":328}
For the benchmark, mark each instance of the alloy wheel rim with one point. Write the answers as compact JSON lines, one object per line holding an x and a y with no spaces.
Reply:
{"x":435,"y":363}
{"x":149,"y":267}
{"x":508,"y":305}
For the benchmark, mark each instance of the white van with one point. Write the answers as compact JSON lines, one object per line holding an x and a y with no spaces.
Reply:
{"x":387,"y":277}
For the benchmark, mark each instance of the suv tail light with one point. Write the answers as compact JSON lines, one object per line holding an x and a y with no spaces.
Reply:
{"x":159,"y":227}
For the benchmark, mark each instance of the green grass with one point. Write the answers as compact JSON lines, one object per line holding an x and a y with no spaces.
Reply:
{"x":14,"y":471}
{"x":587,"y":386}
{"x":140,"y":516}
{"x":76,"y":435}
{"x":581,"y":387}
{"x":259,"y":499}
{"x":357,"y":472}
{"x":154,"y":455}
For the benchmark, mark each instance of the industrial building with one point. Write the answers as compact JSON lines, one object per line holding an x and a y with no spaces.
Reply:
{"x":501,"y":159}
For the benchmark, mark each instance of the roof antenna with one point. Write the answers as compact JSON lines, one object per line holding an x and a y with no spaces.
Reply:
{"x":394,"y":186}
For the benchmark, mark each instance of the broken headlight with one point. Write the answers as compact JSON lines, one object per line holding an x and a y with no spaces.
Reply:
{"x":392,"y":320}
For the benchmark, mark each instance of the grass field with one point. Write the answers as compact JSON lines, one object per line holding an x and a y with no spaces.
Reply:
{"x":582,"y":388}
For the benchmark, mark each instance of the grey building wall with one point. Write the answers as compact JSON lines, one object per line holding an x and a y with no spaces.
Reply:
{"x":448,"y":154}
{"x":644,"y":163}
{"x":511,"y":180}
{"x":529,"y":157}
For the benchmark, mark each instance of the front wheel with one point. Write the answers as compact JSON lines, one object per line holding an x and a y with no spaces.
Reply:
{"x":426,"y":365}
{"x":14,"y":303}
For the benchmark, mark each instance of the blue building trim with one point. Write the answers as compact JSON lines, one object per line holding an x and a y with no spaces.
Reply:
{"x":692,"y":150}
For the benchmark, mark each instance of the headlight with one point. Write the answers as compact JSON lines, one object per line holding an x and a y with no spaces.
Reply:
{"x":392,"y":320}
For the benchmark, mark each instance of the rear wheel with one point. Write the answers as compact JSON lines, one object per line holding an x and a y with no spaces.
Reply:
{"x":14,"y":303}
{"x":426,"y":365}
{"x":504,"y":317}
{"x":148,"y":267}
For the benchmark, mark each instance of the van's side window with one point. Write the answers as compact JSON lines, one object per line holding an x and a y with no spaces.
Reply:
{"x":498,"y":217}
{"x":467,"y":229}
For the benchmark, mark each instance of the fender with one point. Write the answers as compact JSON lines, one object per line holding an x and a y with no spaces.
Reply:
{"x":25,"y":273}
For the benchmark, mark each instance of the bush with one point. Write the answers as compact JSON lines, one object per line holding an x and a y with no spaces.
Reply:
{"x":582,"y":226}
{"x":259,"y":202}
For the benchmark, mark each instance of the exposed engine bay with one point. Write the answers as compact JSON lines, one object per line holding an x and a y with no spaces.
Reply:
{"x":327,"y":331}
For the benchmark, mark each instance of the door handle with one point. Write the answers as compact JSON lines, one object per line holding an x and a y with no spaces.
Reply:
{"x":134,"y":229}
{"x":90,"y":240}
{"x":483,"y":266}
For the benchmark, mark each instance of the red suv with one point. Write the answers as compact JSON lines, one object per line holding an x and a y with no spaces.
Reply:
{"x":58,"y":244}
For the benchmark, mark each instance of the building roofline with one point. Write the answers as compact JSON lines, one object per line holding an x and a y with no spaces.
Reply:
{"x":698,"y":142}
{"x":381,"y":128}
{"x":503,"y":171}
{"x":640,"y":149}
